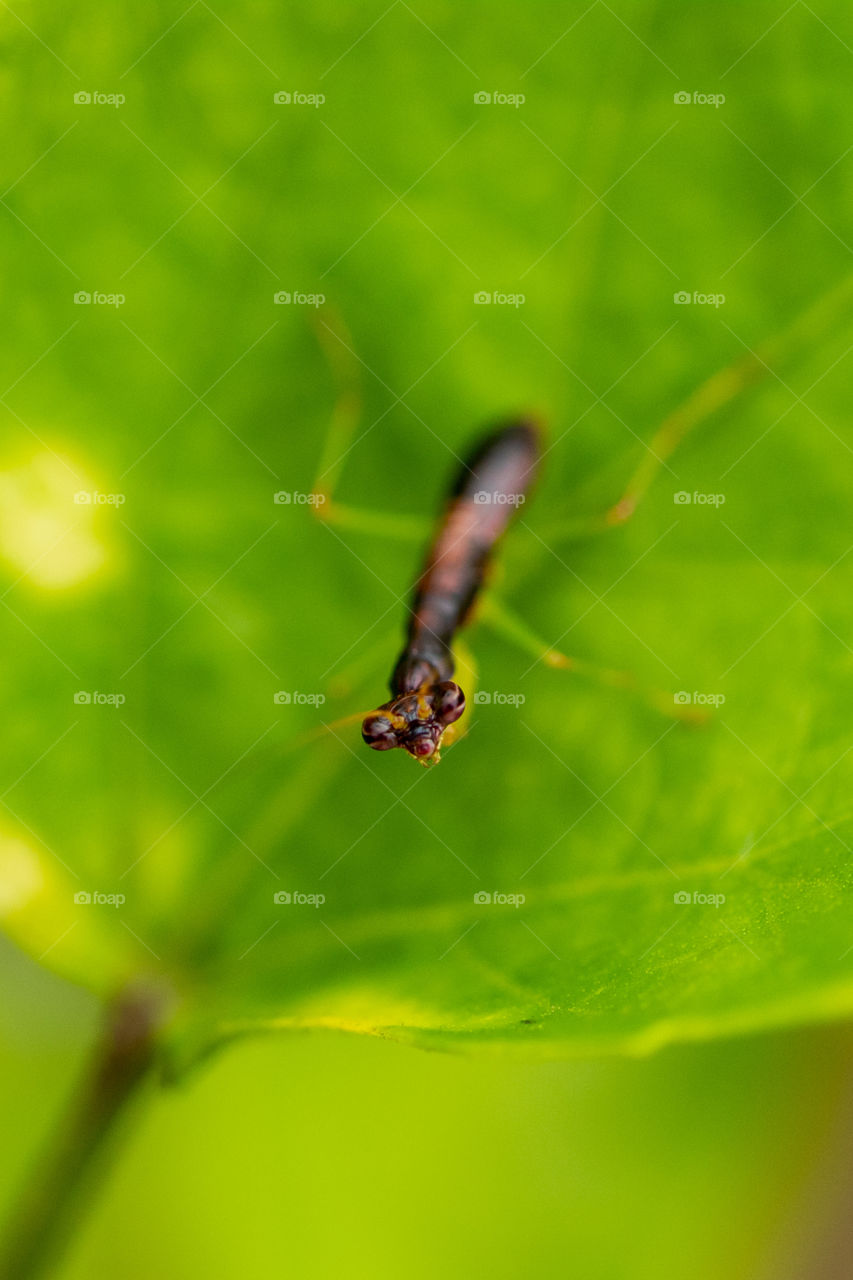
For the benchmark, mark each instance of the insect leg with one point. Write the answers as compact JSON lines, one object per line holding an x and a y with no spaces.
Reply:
{"x":467,"y":676}
{"x":341,"y":438}
{"x":706,"y":400}
{"x":504,"y":622}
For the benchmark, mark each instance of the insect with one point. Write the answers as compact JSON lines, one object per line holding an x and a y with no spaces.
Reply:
{"x":488,"y":489}
{"x":426,"y":703}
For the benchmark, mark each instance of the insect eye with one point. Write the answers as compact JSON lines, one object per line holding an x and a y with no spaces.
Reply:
{"x":449,"y":702}
{"x":378,"y":733}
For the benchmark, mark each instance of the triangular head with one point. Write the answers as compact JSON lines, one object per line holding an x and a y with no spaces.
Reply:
{"x":415,"y":721}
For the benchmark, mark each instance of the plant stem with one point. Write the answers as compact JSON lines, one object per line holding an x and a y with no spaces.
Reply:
{"x":64,"y":1182}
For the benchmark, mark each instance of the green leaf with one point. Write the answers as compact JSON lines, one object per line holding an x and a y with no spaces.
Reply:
{"x":180,"y":598}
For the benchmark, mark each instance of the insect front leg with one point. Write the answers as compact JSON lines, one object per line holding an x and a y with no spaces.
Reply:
{"x":467,"y":675}
{"x":345,"y":429}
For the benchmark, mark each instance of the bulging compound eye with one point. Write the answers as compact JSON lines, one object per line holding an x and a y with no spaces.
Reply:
{"x":448,"y":702}
{"x":378,"y":732}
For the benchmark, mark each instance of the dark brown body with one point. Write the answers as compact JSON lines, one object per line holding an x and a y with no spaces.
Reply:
{"x":488,"y":491}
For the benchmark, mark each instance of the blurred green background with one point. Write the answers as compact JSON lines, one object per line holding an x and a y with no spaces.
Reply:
{"x":599,"y":198}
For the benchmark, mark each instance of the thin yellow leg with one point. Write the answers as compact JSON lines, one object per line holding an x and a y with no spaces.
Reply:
{"x":503,"y":621}
{"x":715,"y":393}
{"x":336,"y":342}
